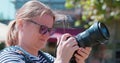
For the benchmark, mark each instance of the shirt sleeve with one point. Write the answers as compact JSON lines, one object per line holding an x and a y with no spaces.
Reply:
{"x":14,"y":61}
{"x":7,"y":57}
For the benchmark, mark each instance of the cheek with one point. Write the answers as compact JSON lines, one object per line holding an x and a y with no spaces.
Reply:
{"x":43,"y":38}
{"x":33,"y":35}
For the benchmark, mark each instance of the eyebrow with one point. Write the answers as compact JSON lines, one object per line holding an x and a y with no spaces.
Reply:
{"x":34,"y":22}
{"x":29,"y":19}
{"x":39,"y":24}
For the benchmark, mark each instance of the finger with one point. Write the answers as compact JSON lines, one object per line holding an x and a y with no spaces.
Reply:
{"x":86,"y":50}
{"x":71,"y":41}
{"x":79,"y":60}
{"x":75,"y":48}
{"x":64,"y":37}
{"x":82,"y":53}
{"x":78,"y":57}
{"x":58,"y":40}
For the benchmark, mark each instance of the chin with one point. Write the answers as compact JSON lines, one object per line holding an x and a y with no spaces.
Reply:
{"x":41,"y":45}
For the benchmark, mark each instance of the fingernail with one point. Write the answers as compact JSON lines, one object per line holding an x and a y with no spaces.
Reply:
{"x":82,"y":49}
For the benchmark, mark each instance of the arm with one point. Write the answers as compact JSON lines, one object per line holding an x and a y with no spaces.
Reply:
{"x":11,"y":58}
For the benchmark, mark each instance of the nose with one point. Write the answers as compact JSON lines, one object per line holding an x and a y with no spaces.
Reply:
{"x":47,"y":34}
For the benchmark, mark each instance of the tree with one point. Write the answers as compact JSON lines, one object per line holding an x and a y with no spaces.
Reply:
{"x":107,"y":11}
{"x":97,"y":10}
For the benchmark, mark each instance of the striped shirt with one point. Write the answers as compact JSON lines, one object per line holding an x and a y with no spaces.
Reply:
{"x":11,"y":55}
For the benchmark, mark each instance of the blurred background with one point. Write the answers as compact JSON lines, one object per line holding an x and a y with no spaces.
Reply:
{"x":81,"y":14}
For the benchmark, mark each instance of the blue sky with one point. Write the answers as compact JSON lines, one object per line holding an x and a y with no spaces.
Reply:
{"x":7,"y":9}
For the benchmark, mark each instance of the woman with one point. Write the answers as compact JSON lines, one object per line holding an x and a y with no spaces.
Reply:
{"x":29,"y":33}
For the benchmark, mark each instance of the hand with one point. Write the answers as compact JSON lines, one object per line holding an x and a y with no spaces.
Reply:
{"x":66,"y":48}
{"x":82,"y":54}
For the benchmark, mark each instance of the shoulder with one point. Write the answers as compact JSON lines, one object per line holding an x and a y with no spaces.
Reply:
{"x":49,"y":56}
{"x":10,"y":54}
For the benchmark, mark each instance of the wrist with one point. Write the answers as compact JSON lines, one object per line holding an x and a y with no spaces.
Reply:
{"x":81,"y":62}
{"x":60,"y":61}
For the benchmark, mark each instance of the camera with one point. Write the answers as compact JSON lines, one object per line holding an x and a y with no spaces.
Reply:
{"x":95,"y":35}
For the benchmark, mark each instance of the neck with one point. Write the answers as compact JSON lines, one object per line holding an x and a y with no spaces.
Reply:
{"x":29,"y":49}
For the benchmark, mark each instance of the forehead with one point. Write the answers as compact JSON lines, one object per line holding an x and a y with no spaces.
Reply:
{"x":45,"y":19}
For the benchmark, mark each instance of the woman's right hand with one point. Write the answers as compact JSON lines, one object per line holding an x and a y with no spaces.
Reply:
{"x":66,"y":48}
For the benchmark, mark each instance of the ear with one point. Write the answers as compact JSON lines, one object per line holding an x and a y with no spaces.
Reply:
{"x":19,"y":24}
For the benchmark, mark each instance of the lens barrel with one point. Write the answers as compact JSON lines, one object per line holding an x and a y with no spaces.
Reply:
{"x":96,"y":34}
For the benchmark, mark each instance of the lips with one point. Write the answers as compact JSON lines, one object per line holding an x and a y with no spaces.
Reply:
{"x":42,"y":39}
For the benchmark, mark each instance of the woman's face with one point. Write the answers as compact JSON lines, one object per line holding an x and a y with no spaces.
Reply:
{"x":35,"y":31}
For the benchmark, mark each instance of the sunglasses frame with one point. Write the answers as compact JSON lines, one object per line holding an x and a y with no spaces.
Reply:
{"x":43,"y":29}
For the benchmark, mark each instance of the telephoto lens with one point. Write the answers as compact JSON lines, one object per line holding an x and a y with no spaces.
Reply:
{"x":96,"y":34}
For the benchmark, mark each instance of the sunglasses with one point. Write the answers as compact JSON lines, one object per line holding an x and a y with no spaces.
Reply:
{"x":44,"y":29}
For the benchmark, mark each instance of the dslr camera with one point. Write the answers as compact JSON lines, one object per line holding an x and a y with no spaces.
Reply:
{"x":95,"y":35}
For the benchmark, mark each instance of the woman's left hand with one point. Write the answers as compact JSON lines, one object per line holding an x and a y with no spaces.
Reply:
{"x":82,"y":54}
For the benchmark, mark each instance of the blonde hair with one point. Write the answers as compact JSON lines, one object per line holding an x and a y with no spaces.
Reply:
{"x":28,"y":10}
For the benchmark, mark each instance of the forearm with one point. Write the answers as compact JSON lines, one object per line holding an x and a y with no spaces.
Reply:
{"x":60,"y":61}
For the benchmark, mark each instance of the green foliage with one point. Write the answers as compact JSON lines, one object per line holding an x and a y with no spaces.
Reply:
{"x":99,"y":10}
{"x":69,"y":5}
